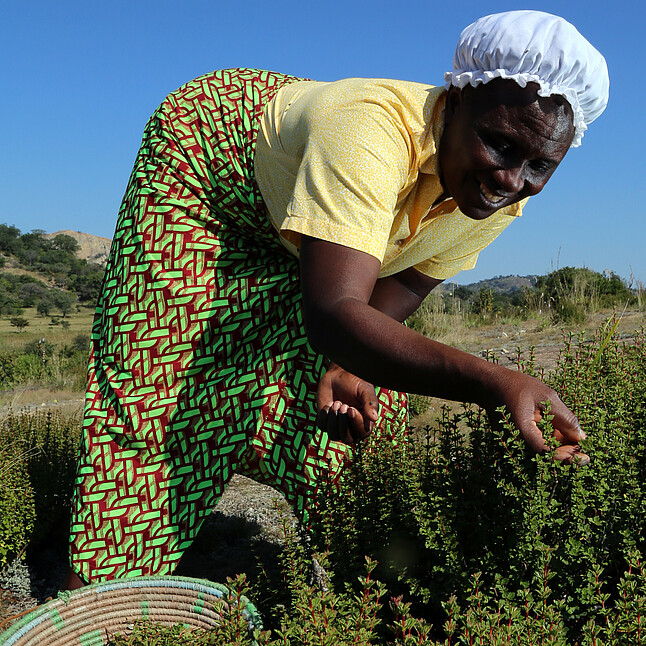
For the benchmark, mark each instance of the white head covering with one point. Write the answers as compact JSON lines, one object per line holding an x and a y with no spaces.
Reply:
{"x":532,"y":46}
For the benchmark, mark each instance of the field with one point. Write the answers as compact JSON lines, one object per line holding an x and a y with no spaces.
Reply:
{"x":62,"y":388}
{"x":253,"y":531}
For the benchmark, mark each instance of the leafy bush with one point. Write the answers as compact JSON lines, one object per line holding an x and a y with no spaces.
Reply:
{"x":17,"y":510}
{"x":480,"y":542}
{"x":572,"y":293}
{"x":477,"y":541}
{"x":64,"y":366}
{"x":37,"y":465}
{"x":19,"y":322}
{"x":18,"y":368}
{"x":465,"y":511}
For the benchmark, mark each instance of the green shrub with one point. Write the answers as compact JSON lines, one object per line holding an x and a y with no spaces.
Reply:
{"x":18,"y":368}
{"x":477,"y":541}
{"x":571,"y":293}
{"x":466,"y":508}
{"x":17,"y":509}
{"x":46,"y":363}
{"x":38,"y":454}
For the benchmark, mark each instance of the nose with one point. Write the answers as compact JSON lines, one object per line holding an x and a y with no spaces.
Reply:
{"x":511,"y":179}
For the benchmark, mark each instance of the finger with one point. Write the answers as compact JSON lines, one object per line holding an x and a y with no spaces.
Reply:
{"x":332,"y":427}
{"x":566,"y":453}
{"x":533,"y":437}
{"x":558,"y":435}
{"x":337,"y":423}
{"x":326,"y":420}
{"x":369,"y":407}
{"x":355,"y":422}
{"x":570,"y":454}
{"x":343,"y":430}
{"x":571,"y":435}
{"x":566,"y":423}
{"x":322,"y":417}
{"x":357,"y":425}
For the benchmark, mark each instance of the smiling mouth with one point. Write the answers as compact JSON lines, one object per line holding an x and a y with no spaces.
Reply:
{"x":489,"y":196}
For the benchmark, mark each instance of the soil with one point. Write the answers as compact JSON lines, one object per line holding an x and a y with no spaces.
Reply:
{"x":245,"y":531}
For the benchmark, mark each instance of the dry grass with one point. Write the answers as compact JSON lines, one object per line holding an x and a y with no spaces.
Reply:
{"x":498,"y":336}
{"x":502,"y":339}
{"x":40,"y":327}
{"x":67,"y":401}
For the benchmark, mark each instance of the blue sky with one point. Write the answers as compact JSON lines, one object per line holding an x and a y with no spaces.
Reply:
{"x":80,"y":80}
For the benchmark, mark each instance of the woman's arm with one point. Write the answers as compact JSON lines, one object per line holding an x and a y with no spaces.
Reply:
{"x":338,"y":283}
{"x":400,"y":295}
{"x":347,"y":405}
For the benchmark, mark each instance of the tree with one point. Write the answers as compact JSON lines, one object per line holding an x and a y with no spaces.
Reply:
{"x":64,"y":302}
{"x":30,"y":292}
{"x":484,"y":301}
{"x":65,"y":243}
{"x":9,"y":239}
{"x":19,"y":322}
{"x":87,"y":282}
{"x":30,"y":256}
{"x":462,"y":292}
{"x":45,"y":306}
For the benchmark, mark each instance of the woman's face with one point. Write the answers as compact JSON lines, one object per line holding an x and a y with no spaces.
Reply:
{"x":501,"y":143}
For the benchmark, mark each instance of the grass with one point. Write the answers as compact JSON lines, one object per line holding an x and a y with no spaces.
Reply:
{"x":41,"y":327}
{"x":31,"y":396}
{"x":501,"y":336}
{"x":31,"y":374}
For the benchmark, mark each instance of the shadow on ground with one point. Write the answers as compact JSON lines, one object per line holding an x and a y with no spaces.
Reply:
{"x":228,"y":545}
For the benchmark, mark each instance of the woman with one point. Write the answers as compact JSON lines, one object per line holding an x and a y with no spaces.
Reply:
{"x":274,"y":225}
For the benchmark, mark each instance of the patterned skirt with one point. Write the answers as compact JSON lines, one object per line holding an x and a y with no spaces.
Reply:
{"x":200,"y":366}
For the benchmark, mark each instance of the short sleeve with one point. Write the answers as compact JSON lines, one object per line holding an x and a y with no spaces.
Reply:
{"x":443,"y":269}
{"x":355,"y":162}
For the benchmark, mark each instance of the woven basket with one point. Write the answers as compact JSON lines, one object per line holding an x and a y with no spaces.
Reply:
{"x":90,"y":616}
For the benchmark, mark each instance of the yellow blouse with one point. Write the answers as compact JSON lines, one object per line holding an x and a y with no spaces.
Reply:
{"x":355,"y":162}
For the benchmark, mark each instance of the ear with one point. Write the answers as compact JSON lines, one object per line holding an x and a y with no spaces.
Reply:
{"x":453,"y":101}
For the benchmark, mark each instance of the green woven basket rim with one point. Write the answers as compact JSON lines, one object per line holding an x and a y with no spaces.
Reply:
{"x":44,"y":612}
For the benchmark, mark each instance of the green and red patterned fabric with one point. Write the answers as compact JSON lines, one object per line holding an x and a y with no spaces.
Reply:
{"x":200,"y":367}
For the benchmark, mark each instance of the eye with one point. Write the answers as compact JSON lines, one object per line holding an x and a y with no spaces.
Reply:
{"x":496,"y":143}
{"x":540,"y":165}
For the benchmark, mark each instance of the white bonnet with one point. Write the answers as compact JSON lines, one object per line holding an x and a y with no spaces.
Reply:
{"x":533,"y":46}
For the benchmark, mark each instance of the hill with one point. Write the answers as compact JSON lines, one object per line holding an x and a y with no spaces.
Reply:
{"x":91,"y":248}
{"x":49,"y":271}
{"x":500,"y":284}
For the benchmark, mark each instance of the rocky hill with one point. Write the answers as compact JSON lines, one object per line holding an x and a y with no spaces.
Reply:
{"x":502,"y":284}
{"x":91,"y":248}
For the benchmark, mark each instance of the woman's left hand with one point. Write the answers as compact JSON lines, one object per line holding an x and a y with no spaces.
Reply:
{"x":347,"y":406}
{"x":526,"y":400}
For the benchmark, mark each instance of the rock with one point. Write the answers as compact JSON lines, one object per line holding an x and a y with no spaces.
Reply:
{"x":91,"y":248}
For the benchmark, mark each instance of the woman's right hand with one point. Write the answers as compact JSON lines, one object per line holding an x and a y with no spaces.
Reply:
{"x":347,"y":406}
{"x":526,"y":399}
